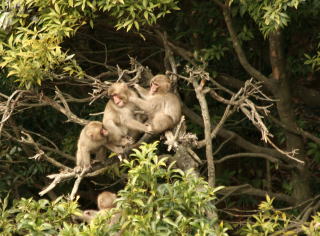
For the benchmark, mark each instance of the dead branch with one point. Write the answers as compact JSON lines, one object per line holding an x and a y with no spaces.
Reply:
{"x":194,"y":76}
{"x":70,"y":173}
{"x":172,"y":139}
{"x":57,"y":179}
{"x":40,"y":153}
{"x":248,"y":154}
{"x":251,"y":111}
{"x":7,"y":107}
{"x":249,"y":190}
{"x":76,"y":184}
{"x":63,"y":109}
{"x":43,"y":147}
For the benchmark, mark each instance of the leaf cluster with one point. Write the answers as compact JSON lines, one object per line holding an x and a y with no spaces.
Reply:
{"x":269,"y":221}
{"x":268,"y":14}
{"x":31,"y":217}
{"x":157,"y":200}
{"x":161,"y":200}
{"x":36,"y":29}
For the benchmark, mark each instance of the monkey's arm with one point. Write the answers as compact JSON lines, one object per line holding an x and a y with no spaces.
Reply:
{"x":135,"y":125}
{"x":144,"y":105}
{"x":144,"y":93}
{"x":114,"y":148}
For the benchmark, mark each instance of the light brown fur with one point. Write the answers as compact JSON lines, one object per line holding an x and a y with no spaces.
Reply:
{"x":119,"y":115}
{"x":93,"y":139}
{"x":162,"y":106}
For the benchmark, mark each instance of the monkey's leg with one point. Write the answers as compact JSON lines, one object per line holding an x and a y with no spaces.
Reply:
{"x":161,"y":122}
{"x":83,"y":160}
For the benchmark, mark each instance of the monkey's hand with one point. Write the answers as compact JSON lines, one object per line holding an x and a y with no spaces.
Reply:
{"x":136,"y":86}
{"x":127,"y":141}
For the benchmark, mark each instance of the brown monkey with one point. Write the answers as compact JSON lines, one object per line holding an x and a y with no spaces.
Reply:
{"x":93,"y":138}
{"x":105,"y":200}
{"x":119,"y":114}
{"x":162,"y":106}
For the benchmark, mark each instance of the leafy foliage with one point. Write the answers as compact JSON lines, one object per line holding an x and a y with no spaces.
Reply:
{"x":269,"y":15}
{"x":32,"y":52}
{"x":272,"y":221}
{"x":30,"y":217}
{"x":157,"y":200}
{"x":161,"y":200}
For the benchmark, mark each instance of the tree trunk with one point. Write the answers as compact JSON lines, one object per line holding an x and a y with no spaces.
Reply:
{"x":300,"y":175}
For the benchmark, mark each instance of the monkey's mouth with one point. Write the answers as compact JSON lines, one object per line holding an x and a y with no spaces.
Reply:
{"x":120,"y":103}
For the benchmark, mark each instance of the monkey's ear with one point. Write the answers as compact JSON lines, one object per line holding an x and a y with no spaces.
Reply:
{"x":168,"y":85}
{"x":90,"y":134}
{"x":123,"y":86}
{"x":110,"y":91}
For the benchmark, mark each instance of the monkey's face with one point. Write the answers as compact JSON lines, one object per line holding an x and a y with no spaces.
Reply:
{"x":154,"y":87}
{"x":160,"y":84}
{"x":118,"y":100}
{"x":118,"y":92}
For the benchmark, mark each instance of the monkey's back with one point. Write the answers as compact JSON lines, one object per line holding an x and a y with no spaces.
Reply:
{"x":170,"y":104}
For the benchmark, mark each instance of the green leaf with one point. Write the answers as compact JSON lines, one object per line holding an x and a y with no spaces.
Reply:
{"x":169,"y":221}
{"x":136,"y":24}
{"x":70,"y":2}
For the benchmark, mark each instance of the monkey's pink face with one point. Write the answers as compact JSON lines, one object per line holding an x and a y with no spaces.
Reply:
{"x":118,"y":100}
{"x":154,"y":88}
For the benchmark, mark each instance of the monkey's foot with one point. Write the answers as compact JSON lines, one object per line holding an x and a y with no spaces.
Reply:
{"x":79,"y":169}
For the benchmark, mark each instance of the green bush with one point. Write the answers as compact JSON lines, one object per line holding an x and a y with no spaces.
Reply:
{"x":157,"y":200}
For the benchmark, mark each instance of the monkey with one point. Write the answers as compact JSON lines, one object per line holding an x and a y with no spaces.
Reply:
{"x":119,"y":114}
{"x":162,"y":106}
{"x":105,"y":200}
{"x":93,"y":137}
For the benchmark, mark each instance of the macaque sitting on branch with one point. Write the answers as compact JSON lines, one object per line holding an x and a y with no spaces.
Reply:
{"x":162,"y":106}
{"x":93,"y":138}
{"x":119,"y":115}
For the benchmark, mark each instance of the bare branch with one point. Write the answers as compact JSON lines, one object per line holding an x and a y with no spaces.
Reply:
{"x":248,"y":154}
{"x":240,"y":53}
{"x":200,"y":94}
{"x":57,"y":179}
{"x":63,"y":109}
{"x":40,"y":153}
{"x":7,"y":108}
{"x":249,"y":190}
